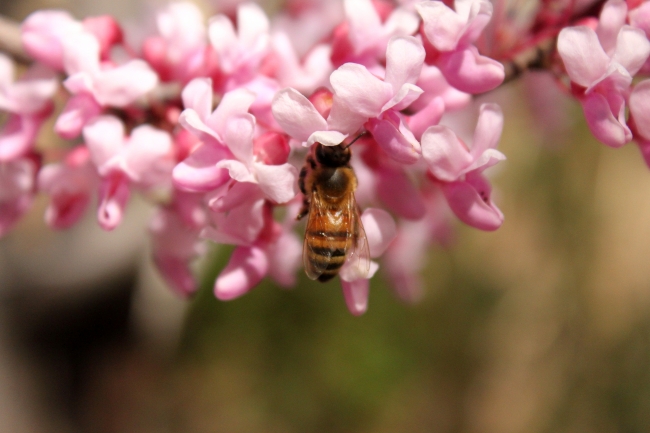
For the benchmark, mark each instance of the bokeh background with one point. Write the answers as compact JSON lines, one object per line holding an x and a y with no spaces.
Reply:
{"x":541,"y":326}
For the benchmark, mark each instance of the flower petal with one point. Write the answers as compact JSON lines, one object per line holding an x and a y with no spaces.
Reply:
{"x":296,"y":115}
{"x":246,"y":268}
{"x":470,"y":201}
{"x":443,"y":27}
{"x":400,"y":147}
{"x":278,"y":182}
{"x":104,"y":136}
{"x":360,"y":90}
{"x":199,"y":171}
{"x":640,"y":108}
{"x":356,"y":295}
{"x":602,"y":123}
{"x":470,"y":72}
{"x":632,"y":49}
{"x":404,"y":59}
{"x":326,"y":138}
{"x":446,"y":156}
{"x":380,"y":230}
{"x":488,"y":129}
{"x":583,"y":56}
{"x":113,"y":195}
{"x":121,"y":86}
{"x":197,"y":95}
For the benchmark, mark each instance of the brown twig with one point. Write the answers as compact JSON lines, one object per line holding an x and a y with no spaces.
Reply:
{"x":10,"y":42}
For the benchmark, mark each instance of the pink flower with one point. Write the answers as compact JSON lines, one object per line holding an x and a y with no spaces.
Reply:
{"x":365,"y":35}
{"x":301,"y":120}
{"x":70,"y":185}
{"x":601,"y":65}
{"x":276,"y":252}
{"x":438,"y":97}
{"x":640,"y":116}
{"x":143,"y":160}
{"x":180,"y":52}
{"x":17,"y":187}
{"x":360,"y":97}
{"x":175,"y":240}
{"x":96,"y":85}
{"x":240,"y":51}
{"x":453,"y":33}
{"x":305,"y":76}
{"x":459,"y":169}
{"x":199,"y":172}
{"x":229,"y":133}
{"x":42,"y":34}
{"x":380,"y":231}
{"x":28,"y":101}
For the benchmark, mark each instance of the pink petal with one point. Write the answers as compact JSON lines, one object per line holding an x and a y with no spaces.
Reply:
{"x":148,"y":156}
{"x":403,"y":97}
{"x":234,"y":103}
{"x":199,"y":172}
{"x":81,"y":53}
{"x":16,"y":191}
{"x":363,"y":20}
{"x":640,"y":17}
{"x":404,"y":59}
{"x":191,"y":121}
{"x":380,"y":230}
{"x":612,"y":18}
{"x":246,"y":268}
{"x":446,"y":156}
{"x":488,"y":129}
{"x":356,"y":295}
{"x":470,"y":72}
{"x":398,"y":193}
{"x":602,"y":123}
{"x":17,"y":136}
{"x":640,"y":108}
{"x":197,"y":95}
{"x":237,"y":170}
{"x":104,"y":136}
{"x":583,"y":56}
{"x":398,"y":146}
{"x":278,"y":182}
{"x":78,"y":111}
{"x":470,"y":201}
{"x":41,"y":35}
{"x":442,"y":26}
{"x":252,"y":24}
{"x":121,"y":86}
{"x":113,"y":195}
{"x":360,"y":90}
{"x":632,"y":49}
{"x":238,"y":135}
{"x":478,"y":15}
{"x":428,"y":116}
{"x":401,"y":22}
{"x":177,"y":273}
{"x":326,"y":138}
{"x":296,"y":115}
{"x":285,"y":258}
{"x":343,"y":118}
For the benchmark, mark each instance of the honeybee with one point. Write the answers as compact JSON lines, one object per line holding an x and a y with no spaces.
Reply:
{"x":334,"y":232}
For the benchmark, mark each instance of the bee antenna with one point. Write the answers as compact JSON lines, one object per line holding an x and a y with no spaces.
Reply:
{"x":352,"y":142}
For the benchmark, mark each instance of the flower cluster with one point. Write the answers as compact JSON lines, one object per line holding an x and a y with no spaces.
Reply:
{"x":224,"y":154}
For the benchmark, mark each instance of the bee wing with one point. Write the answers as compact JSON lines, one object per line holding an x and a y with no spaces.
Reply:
{"x":319,"y":236}
{"x":359,"y":257}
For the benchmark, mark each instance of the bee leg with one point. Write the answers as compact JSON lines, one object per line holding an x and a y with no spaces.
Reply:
{"x":304,"y":210}
{"x":301,"y":180}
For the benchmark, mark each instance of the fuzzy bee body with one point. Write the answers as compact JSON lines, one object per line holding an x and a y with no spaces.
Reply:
{"x":334,"y":232}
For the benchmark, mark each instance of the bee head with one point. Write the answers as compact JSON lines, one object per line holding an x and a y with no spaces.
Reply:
{"x":332,"y":156}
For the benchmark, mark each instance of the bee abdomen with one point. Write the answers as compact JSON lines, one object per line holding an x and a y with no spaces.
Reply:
{"x":328,"y":251}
